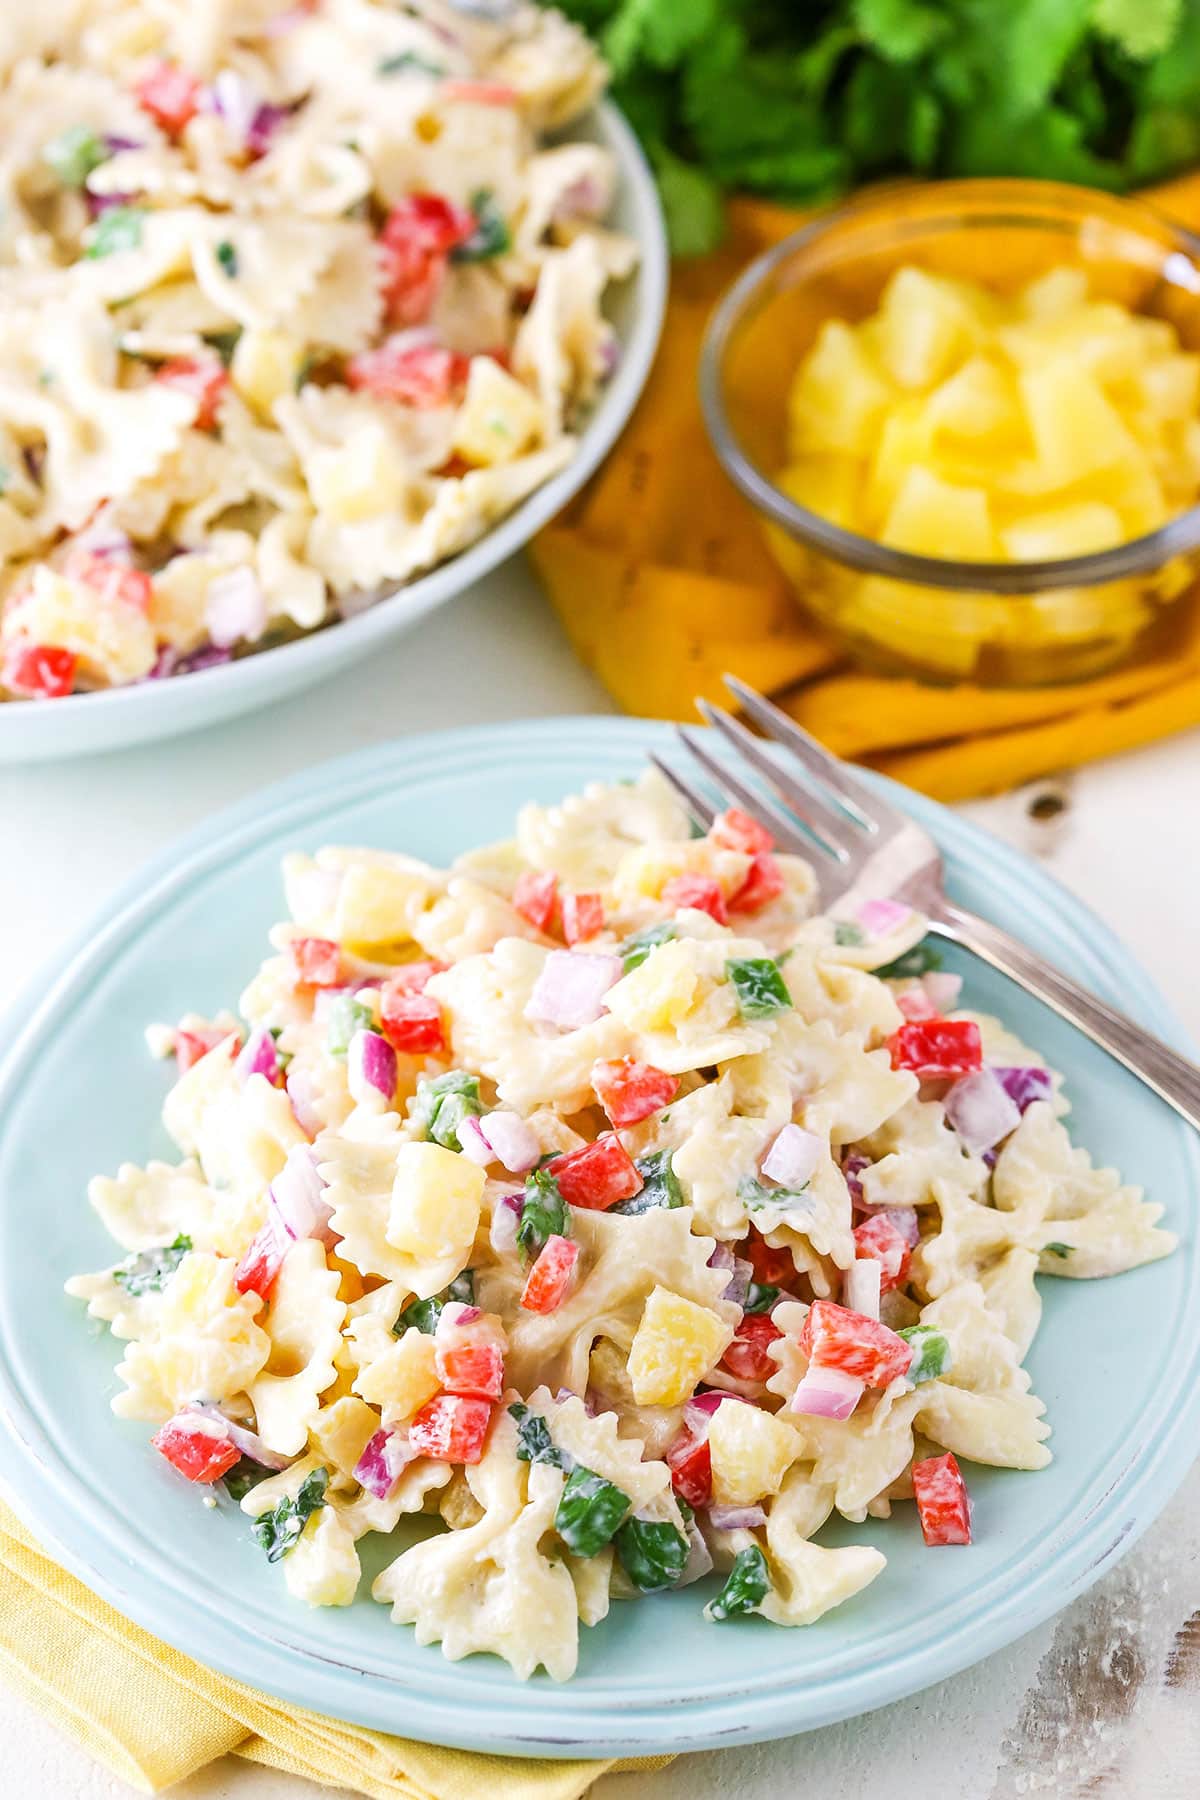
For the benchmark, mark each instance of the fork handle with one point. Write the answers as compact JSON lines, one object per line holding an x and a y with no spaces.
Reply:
{"x":1170,"y":1075}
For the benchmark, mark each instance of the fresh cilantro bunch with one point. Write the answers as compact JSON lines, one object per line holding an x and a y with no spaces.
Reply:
{"x":800,"y":99}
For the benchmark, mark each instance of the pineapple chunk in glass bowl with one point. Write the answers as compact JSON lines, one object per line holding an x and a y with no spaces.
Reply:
{"x":969,"y":413}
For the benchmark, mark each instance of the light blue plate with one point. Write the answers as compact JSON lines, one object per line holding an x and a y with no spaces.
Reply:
{"x":1117,"y":1362}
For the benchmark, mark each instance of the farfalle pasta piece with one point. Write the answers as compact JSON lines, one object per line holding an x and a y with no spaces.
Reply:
{"x":583,"y":837}
{"x":240,"y":1129}
{"x":809,"y":1580}
{"x":982,"y":1407}
{"x":303,"y":1320}
{"x":208,"y":1345}
{"x":593,"y":1440}
{"x":143,"y":1208}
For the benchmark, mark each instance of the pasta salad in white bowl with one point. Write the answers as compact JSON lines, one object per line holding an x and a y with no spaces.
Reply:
{"x":313,"y":313}
{"x":607,"y":1209}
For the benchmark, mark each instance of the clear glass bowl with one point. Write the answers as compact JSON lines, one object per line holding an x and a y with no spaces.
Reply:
{"x":999,"y":624}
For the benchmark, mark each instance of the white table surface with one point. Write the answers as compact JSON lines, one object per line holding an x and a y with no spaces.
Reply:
{"x":1104,"y":1700}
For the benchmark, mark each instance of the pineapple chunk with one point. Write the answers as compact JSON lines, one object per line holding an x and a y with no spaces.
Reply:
{"x":1170,"y":386}
{"x":436,"y":1198}
{"x":322,"y":1566}
{"x":751,"y":1453}
{"x":1076,"y":429}
{"x":340,"y":1433}
{"x":838,"y":396}
{"x":358,"y":481}
{"x":676,"y":1343}
{"x":937,"y":519}
{"x":378,"y":903}
{"x":925,"y":325}
{"x":265,"y":366}
{"x":402,"y":1379}
{"x":905,"y":439}
{"x":659,"y":993}
{"x":829,"y":485}
{"x":979,"y":400}
{"x":499,"y":418}
{"x":1067,"y":531}
{"x":1056,"y":292}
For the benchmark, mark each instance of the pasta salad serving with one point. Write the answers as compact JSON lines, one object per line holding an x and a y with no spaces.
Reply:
{"x":605,"y":1211}
{"x":299,"y":298}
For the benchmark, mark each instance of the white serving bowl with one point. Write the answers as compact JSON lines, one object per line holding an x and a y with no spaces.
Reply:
{"x":34,"y":730}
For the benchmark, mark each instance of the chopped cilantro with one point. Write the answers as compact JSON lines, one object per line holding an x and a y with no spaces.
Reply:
{"x":747,"y":1585}
{"x":1063,"y":1250}
{"x":224,"y":343}
{"x":920,"y":960}
{"x":652,"y":1552}
{"x":544,"y":1213}
{"x":346,"y":1016}
{"x":759,"y":985}
{"x":149,"y":1271}
{"x":407,"y":62}
{"x":118,"y":229}
{"x":73,"y":154}
{"x":534,"y":1443}
{"x":442,"y":1104}
{"x":846,"y":933}
{"x":243,"y":1476}
{"x":278,"y":1531}
{"x":422,"y":1315}
{"x":634,"y":951}
{"x":490,"y":236}
{"x":761,"y":1297}
{"x":589,"y":1512}
{"x":660,"y":1185}
{"x":462,"y":1288}
{"x":227,"y":256}
{"x":756,"y":1196}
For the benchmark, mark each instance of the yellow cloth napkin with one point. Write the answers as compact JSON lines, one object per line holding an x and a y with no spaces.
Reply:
{"x":662,"y":579}
{"x":154,"y":1716}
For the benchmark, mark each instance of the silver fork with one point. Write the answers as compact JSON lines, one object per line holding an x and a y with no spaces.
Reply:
{"x":863,"y":848}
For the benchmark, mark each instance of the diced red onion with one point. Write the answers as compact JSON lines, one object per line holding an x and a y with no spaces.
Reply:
{"x":511,"y":1140}
{"x":506,"y":1216}
{"x":165,"y":663}
{"x":793,"y":1157}
{"x":383,"y":1461}
{"x":1025,"y":1085}
{"x":943,"y":990}
{"x":235,"y":608}
{"x":209,"y":657}
{"x":736,"y":1518}
{"x":236,"y":101}
{"x":852,"y":1168}
{"x":371,"y":1067}
{"x":248,"y":1442}
{"x":915,"y":1004}
{"x":570,"y":990}
{"x":473,"y":1144}
{"x":904,"y":1218}
{"x":302,"y":1093}
{"x":258,"y":1057}
{"x":861,"y":1287}
{"x":297,"y":1195}
{"x":741,"y":1273}
{"x":827,"y":1393}
{"x":700,"y":1408}
{"x":879,"y":917}
{"x":456,"y":1313}
{"x":101,"y":203}
{"x":263,"y":126}
{"x":699,"y":1560}
{"x":981,"y":1110}
{"x":582,"y":198}
{"x":101,"y":538}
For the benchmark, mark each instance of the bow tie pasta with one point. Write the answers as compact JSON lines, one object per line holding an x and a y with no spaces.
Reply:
{"x":591,"y":1216}
{"x":297,"y":301}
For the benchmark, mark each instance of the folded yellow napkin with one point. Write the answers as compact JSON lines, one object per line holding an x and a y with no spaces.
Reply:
{"x":661,"y":576}
{"x":154,"y":1716}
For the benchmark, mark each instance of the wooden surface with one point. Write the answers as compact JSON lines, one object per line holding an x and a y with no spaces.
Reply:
{"x":1104,"y":1701}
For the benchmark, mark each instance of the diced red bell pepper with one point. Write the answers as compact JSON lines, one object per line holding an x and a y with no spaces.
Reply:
{"x":114,"y":582}
{"x":943,"y":1504}
{"x":204,"y":378}
{"x":414,"y":246}
{"x":39,"y":671}
{"x":262,"y":1262}
{"x":481,"y":93}
{"x":630,"y":1091}
{"x":582,"y":917}
{"x":316,"y":962}
{"x":170,"y":95}
{"x":417,"y":375}
{"x":736,"y":830}
{"x":690,"y":1462}
{"x":597,"y":1175}
{"x":747,"y":1356}
{"x":763,"y":883}
{"x":414,"y":977}
{"x":551,"y":1275}
{"x":916,"y":1005}
{"x":536,"y":896}
{"x":193,"y":1447}
{"x":451,"y":1428}
{"x":832,"y":1337}
{"x":772,"y":1267}
{"x":879,"y":1238}
{"x":411,"y":1022}
{"x":190,"y":1046}
{"x":936,"y":1048}
{"x":698,"y":891}
{"x":476,"y":1369}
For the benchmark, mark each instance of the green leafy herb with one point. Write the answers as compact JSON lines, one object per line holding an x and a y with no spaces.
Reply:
{"x":932,"y":1352}
{"x":224,"y":343}
{"x":759,"y":985}
{"x":534,"y":1443}
{"x":243,"y":1476}
{"x":462,"y":1288}
{"x":407,"y":62}
{"x":922,"y":959}
{"x":118,"y":229}
{"x":634,"y":951}
{"x":278,"y":1531}
{"x":73,"y":154}
{"x":589,"y":1511}
{"x":490,"y":236}
{"x":660,"y":1185}
{"x":1063,"y":1250}
{"x":756,"y":1196}
{"x":652,"y":1553}
{"x":760,"y":1297}
{"x":227,"y":256}
{"x":846,"y":933}
{"x":346,"y":1016}
{"x":421,"y":1315}
{"x":747,"y":1585}
{"x":304,"y":369}
{"x":149,"y":1271}
{"x":442,"y":1104}
{"x":544,"y":1213}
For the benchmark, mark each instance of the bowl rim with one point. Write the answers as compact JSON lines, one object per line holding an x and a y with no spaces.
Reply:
{"x":987,"y":580}
{"x":299,"y":660}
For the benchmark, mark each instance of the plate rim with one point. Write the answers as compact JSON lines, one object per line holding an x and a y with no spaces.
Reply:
{"x":149,"y":711}
{"x":43,"y":1497}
